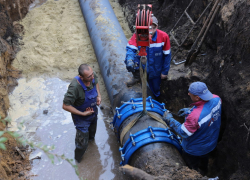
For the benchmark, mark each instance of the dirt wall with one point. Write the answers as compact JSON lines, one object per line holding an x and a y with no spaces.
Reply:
{"x":11,"y":163}
{"x":54,"y":42}
{"x":223,"y":64}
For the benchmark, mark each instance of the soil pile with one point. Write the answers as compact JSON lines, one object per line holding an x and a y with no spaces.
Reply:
{"x":223,"y":64}
{"x":55,"y":42}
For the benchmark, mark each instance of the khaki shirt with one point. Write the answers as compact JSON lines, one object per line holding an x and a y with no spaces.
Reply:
{"x":75,"y":96}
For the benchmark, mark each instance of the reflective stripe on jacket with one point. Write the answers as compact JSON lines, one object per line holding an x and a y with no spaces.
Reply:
{"x":200,"y":131}
{"x":158,"y":54}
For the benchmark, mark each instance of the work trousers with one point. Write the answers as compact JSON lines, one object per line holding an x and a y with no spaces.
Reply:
{"x":82,"y":140}
{"x":198,"y":163}
{"x":154,"y":84}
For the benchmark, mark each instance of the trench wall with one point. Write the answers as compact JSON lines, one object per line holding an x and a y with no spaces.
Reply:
{"x":228,"y":40}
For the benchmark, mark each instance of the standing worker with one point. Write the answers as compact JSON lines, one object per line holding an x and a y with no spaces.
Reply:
{"x":158,"y":55}
{"x":201,"y":128}
{"x":80,"y":100}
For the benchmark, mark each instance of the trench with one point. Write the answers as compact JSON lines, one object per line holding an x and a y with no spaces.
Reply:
{"x":38,"y":103}
{"x":52,"y":51}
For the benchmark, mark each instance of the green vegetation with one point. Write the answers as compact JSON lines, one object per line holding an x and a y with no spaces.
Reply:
{"x":47,"y":150}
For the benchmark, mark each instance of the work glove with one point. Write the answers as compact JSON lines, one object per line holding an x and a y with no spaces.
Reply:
{"x":183,"y":112}
{"x":130,"y":65}
{"x":167,"y":116}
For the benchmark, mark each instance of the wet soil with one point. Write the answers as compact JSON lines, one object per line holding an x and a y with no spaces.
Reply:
{"x":38,"y":103}
{"x":222,"y":63}
{"x":12,"y":165}
{"x":227,"y":41}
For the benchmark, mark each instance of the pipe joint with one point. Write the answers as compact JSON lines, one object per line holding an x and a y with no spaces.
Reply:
{"x":147,"y":136}
{"x":135,"y":106}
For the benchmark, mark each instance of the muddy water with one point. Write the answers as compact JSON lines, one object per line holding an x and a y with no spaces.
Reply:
{"x":38,"y":103}
{"x":56,"y":42}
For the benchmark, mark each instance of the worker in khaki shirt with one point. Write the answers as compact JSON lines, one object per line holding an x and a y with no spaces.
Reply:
{"x":80,"y":100}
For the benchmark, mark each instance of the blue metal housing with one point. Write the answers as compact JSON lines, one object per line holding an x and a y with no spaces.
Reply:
{"x":147,"y":136}
{"x":133,"y":107}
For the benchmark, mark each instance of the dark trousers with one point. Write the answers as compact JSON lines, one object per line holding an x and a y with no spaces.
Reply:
{"x":82,"y":141}
{"x":136,"y":74}
{"x":198,"y":163}
{"x":154,"y":84}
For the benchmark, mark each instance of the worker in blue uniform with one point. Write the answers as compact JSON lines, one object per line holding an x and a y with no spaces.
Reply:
{"x":81,"y":101}
{"x":201,"y":128}
{"x":158,"y":57}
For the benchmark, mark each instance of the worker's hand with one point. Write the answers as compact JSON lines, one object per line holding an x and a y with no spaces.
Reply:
{"x":164,"y":76}
{"x":183,"y":112}
{"x":130,"y":65}
{"x":167,"y":116}
{"x":88,"y":111}
{"x":98,"y":100}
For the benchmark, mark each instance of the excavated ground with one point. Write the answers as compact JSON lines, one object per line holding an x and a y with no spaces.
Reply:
{"x":223,"y":64}
{"x":12,"y":165}
{"x":227,"y":41}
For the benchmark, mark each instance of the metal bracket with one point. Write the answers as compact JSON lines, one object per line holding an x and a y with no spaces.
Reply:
{"x":118,"y":115}
{"x":153,"y":135}
{"x":132,"y":139}
{"x":122,"y":155}
{"x":163,"y":105}
{"x":152,"y":104}
{"x":129,"y":102}
{"x":171,"y":134}
{"x":179,"y":138}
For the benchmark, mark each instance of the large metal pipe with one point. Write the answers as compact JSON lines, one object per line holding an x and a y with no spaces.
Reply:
{"x":109,"y":43}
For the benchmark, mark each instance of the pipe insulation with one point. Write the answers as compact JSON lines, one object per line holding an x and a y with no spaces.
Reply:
{"x":148,"y":140}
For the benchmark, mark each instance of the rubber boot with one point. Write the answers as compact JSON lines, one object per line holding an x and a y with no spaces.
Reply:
{"x":136,"y":78}
{"x":81,"y":142}
{"x":92,"y":130}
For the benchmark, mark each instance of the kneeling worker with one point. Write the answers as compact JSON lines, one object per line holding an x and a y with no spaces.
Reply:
{"x":200,"y":131}
{"x":81,"y":99}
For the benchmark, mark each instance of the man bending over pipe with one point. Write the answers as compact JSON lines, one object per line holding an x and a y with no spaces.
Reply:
{"x":81,"y":99}
{"x":200,"y":131}
{"x":158,"y":55}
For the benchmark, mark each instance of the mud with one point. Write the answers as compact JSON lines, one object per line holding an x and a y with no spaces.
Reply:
{"x":227,"y":40}
{"x":177,"y":173}
{"x":50,"y":48}
{"x":55,"y":127}
{"x":12,"y":166}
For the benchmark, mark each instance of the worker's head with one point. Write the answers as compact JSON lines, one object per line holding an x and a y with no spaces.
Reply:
{"x":199,"y":91}
{"x":154,"y":25}
{"x":86,"y":73}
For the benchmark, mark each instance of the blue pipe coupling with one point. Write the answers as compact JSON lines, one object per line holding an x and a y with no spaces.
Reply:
{"x":134,"y":106}
{"x":147,"y":136}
